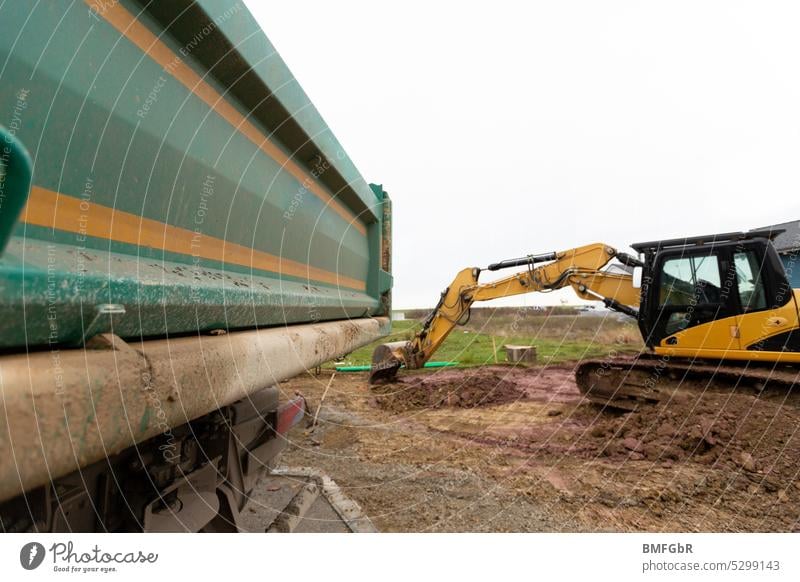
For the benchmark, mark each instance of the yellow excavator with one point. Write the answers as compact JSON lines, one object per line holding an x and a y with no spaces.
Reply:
{"x":713,"y":310}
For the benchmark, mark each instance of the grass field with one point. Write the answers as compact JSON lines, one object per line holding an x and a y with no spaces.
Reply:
{"x":557,"y":338}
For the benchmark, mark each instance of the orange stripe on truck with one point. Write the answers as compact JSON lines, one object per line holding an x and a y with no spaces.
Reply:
{"x":54,"y":210}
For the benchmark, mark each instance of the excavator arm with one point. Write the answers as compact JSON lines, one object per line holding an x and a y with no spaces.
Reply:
{"x":581,"y":268}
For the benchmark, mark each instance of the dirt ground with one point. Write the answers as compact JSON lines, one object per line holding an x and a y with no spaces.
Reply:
{"x":517,"y":449}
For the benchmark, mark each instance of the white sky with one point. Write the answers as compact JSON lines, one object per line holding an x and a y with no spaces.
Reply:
{"x":507,"y":128}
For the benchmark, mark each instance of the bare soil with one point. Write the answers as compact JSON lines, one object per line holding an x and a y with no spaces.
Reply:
{"x":518,"y":449}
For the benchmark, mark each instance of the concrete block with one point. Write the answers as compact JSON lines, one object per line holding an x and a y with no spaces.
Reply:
{"x":520,"y":354}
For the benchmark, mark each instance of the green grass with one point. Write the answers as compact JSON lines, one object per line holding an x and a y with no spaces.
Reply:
{"x":555,"y":340}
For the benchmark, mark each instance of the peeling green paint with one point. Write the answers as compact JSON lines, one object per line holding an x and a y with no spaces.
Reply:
{"x":145,"y":420}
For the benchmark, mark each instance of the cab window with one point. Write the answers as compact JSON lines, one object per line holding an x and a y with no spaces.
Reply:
{"x":752,"y":294}
{"x":690,"y":281}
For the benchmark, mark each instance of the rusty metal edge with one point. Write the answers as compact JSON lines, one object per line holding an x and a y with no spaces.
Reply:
{"x":61,"y":410}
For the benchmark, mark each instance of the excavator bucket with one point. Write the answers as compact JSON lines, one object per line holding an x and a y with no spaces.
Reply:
{"x":386,"y":360}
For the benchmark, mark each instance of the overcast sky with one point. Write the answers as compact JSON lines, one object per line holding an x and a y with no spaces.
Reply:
{"x":506,"y":128}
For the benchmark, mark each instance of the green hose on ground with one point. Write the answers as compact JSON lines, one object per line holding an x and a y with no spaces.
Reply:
{"x":367,"y":368}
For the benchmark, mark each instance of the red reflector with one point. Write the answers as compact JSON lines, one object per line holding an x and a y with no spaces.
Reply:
{"x":290,"y":414}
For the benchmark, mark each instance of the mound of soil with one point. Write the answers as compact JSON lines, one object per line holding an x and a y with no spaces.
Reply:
{"x":754,"y":437}
{"x":747,"y":440}
{"x":418,"y":392}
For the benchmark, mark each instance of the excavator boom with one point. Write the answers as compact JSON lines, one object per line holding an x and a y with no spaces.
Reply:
{"x":582,"y":268}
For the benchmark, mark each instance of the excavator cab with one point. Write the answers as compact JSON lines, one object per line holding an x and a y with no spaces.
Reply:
{"x":714,"y":296}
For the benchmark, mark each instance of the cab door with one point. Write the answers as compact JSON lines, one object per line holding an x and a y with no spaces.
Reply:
{"x":693,"y":309}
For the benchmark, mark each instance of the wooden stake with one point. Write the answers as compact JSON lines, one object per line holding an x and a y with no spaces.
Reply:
{"x":324,"y":393}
